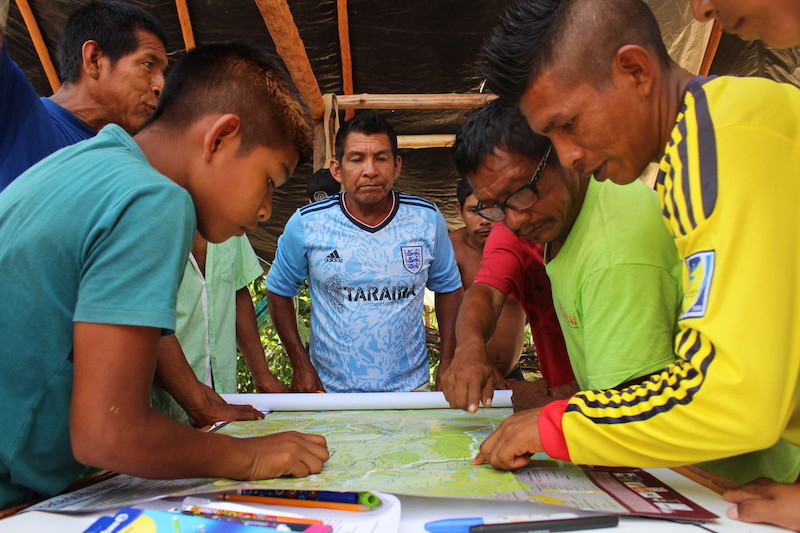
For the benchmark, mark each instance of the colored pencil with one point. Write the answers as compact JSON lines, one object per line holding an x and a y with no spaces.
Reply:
{"x":315,"y":504}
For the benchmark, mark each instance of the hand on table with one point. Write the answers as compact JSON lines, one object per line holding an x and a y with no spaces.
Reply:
{"x":287,"y":454}
{"x":511,"y":445}
{"x":306,"y":380}
{"x":215,"y":409}
{"x":764,"y":500}
{"x":468,"y":381}
{"x":271,"y":384}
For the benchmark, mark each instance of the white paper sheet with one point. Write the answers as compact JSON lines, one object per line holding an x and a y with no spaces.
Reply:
{"x":332,"y":401}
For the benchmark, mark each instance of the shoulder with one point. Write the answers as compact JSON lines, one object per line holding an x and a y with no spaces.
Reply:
{"x":457,"y":237}
{"x":412,"y":201}
{"x":632,"y":224}
{"x":726,"y":101}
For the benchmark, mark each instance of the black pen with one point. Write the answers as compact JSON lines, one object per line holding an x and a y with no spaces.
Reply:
{"x":546,"y":526}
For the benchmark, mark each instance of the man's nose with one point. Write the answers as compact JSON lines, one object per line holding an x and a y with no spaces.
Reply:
{"x":515,"y":219}
{"x":704,"y":10}
{"x":570,"y":155}
{"x":158,"y":84}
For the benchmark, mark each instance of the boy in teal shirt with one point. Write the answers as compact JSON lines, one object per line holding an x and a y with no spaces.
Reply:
{"x":93,"y":241}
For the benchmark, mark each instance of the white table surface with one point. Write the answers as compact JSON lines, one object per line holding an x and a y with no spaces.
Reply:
{"x":416,"y":511}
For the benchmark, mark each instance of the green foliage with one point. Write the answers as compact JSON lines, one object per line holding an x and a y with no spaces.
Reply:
{"x":277,"y":359}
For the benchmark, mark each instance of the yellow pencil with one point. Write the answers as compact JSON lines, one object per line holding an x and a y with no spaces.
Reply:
{"x":294,"y":503}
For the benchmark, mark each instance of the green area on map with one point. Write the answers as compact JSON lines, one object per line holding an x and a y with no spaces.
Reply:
{"x":424,"y":452}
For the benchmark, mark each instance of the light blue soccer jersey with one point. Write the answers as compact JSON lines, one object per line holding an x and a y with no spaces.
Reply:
{"x":367,"y":288}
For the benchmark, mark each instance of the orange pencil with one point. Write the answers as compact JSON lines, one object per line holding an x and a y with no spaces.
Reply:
{"x":294,"y":503}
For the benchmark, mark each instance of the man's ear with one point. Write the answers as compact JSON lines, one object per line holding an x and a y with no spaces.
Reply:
{"x":222,"y":135}
{"x":90,"y":59}
{"x":635,"y":64}
{"x":398,"y":166}
{"x":336,"y":170}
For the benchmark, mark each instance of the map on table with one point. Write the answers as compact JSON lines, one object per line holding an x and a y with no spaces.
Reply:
{"x":424,"y":452}
{"x":428,"y":452}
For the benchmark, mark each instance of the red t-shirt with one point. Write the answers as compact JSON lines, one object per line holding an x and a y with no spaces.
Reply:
{"x":515,"y":266}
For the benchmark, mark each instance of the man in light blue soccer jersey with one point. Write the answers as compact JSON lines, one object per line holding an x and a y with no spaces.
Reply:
{"x":368,"y":253}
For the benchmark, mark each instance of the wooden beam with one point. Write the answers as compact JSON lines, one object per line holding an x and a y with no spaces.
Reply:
{"x":290,"y":47}
{"x":344,"y":50}
{"x":186,"y":24}
{"x":414,"y":101}
{"x":38,"y":44}
{"x":711,"y":48}
{"x":437,"y":140}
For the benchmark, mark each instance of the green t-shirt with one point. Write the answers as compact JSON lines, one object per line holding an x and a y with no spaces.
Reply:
{"x":206,"y":327}
{"x":617,"y":292}
{"x":617,"y":287}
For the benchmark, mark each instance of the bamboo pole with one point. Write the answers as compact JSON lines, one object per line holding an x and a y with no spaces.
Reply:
{"x":711,"y":48}
{"x":436,"y":140}
{"x":290,"y":47}
{"x":413,"y":101}
{"x":186,"y":24}
{"x":38,"y":44}
{"x":344,"y":50}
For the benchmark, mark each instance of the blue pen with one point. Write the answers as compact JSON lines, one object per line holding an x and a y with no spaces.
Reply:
{"x":520,"y":524}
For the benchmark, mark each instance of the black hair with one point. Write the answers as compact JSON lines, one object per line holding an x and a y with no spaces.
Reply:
{"x":495,"y":125}
{"x":463,"y":191}
{"x":369,"y":123}
{"x":113,"y":25}
{"x":581,"y":37}
{"x":239,"y":79}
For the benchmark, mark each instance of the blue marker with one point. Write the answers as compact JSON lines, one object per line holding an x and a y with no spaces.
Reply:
{"x":520,"y":524}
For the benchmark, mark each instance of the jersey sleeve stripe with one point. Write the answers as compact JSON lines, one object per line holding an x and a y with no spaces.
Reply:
{"x":708,"y":155}
{"x":676,"y":385}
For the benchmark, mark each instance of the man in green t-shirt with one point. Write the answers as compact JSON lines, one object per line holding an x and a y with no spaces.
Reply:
{"x":614,"y":269}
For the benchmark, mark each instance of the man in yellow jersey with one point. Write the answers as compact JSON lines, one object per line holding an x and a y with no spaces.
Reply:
{"x":777,"y":23}
{"x":594,"y":76}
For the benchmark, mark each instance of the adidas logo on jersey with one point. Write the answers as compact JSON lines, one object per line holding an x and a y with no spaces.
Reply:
{"x":333,"y":257}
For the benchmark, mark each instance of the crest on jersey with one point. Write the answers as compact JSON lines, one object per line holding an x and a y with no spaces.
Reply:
{"x":412,"y":258}
{"x":700,"y":267}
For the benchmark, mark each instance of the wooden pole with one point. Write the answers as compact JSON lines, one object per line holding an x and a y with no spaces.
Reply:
{"x":344,"y":50}
{"x":414,"y":101}
{"x":437,"y":140}
{"x":290,"y":47}
{"x":711,"y":48}
{"x":186,"y":24}
{"x":38,"y":44}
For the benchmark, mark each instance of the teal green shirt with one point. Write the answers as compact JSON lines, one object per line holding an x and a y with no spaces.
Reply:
{"x":92,"y":233}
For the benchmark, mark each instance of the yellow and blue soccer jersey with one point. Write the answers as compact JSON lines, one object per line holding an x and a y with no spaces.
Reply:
{"x":367,"y":288}
{"x":729,"y":189}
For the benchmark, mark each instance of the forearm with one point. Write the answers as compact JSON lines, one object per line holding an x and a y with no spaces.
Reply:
{"x":447,"y":306}
{"x":282,"y":312}
{"x":477,"y":317}
{"x":134,"y":443}
{"x":111,"y":423}
{"x":249,"y":342}
{"x":176,"y":376}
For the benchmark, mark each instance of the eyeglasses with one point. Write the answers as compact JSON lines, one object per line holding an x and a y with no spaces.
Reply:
{"x":519,"y":200}
{"x":523,"y":198}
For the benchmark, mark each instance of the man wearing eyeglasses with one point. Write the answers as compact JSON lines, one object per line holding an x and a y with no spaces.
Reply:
{"x":480,"y":249}
{"x":594,"y":235}
{"x":614,"y":270}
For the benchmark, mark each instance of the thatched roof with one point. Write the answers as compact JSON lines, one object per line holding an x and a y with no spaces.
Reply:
{"x":371,"y":46}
